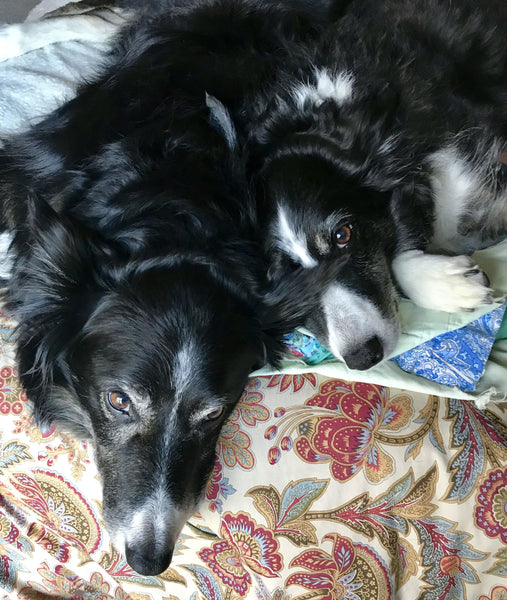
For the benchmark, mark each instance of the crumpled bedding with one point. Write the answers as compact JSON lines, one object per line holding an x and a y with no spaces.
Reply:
{"x":455,"y":358}
{"x":43,"y":63}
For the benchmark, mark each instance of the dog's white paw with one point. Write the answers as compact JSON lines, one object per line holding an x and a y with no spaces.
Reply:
{"x":448,"y":283}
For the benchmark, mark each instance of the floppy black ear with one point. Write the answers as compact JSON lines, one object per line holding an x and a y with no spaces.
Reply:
{"x":292,"y":299}
{"x":53,"y":289}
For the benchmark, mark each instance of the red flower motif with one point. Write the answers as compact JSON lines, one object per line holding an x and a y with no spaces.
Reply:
{"x":347,"y":439}
{"x":8,"y":531}
{"x":499,"y":592}
{"x":244,"y":546}
{"x":450,"y":565}
{"x":296,"y":381}
{"x":336,"y":576}
{"x":491,"y":514}
{"x":327,"y":571}
{"x":63,"y":512}
{"x":270,"y":432}
{"x":274,"y":455}
{"x":213,"y":486}
{"x":51,"y":543}
{"x":12,"y":395}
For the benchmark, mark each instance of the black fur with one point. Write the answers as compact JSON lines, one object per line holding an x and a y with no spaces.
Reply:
{"x":427,"y":98}
{"x":137,"y":242}
{"x":428,"y":95}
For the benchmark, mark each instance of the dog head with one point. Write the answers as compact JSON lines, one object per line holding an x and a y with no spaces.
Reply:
{"x":311,"y":153}
{"x":316,"y":214}
{"x":158,"y":366}
{"x":146,"y":358}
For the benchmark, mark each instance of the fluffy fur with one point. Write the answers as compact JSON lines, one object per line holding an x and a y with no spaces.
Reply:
{"x":138,"y":281}
{"x":384,"y":120}
{"x":395,"y":131}
{"x":139,"y":287}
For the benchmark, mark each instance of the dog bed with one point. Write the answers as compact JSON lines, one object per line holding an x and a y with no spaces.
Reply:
{"x":324,"y":487}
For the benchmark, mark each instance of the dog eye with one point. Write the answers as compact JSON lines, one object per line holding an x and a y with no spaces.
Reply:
{"x":214,"y":415}
{"x":342,"y":236}
{"x":119,"y":401}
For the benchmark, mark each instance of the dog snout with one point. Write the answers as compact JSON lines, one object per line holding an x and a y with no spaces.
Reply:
{"x":365,"y":356}
{"x":144,"y":559}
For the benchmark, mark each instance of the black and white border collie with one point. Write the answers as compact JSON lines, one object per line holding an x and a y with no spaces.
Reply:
{"x":390,"y":147}
{"x":139,"y":287}
{"x":374,"y":128}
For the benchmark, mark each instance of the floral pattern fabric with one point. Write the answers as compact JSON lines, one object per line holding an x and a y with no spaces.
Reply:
{"x":322,"y":490}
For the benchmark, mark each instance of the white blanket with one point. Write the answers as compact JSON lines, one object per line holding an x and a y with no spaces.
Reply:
{"x":42,"y":63}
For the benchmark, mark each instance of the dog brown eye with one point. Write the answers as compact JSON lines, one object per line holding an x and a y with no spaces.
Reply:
{"x":342,"y":235}
{"x":119,"y":401}
{"x":213,"y":416}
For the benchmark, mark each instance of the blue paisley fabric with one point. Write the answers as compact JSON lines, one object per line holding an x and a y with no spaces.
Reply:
{"x":456,"y":358}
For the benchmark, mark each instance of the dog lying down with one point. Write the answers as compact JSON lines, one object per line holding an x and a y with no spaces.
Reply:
{"x":389,"y":149}
{"x":379,"y":136}
{"x":139,"y":289}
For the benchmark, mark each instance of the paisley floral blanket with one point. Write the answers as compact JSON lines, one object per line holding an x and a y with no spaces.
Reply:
{"x":322,"y":490}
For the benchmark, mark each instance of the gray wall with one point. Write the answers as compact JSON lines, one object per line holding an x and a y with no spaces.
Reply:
{"x":15,"y":11}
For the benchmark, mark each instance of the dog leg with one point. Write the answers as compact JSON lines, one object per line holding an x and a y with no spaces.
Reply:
{"x":448,"y":283}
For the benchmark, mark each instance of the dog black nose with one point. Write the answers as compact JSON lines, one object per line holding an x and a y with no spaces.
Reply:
{"x":146,"y":561}
{"x":367,"y":355}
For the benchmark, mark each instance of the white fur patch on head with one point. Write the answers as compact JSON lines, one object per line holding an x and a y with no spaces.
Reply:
{"x":327,"y":87}
{"x":292,"y":242}
{"x":351,"y":320}
{"x":447,"y":283}
{"x":185,"y":368}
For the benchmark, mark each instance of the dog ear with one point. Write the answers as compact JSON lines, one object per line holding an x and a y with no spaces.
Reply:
{"x":53,"y":289}
{"x":221,"y":120}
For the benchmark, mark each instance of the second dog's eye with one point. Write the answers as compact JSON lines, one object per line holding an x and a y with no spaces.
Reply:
{"x":214,"y":415}
{"x":342,"y":235}
{"x":119,"y":401}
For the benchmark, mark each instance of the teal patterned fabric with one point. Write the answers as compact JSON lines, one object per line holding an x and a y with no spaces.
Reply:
{"x":307,"y":347}
{"x":456,"y":358}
